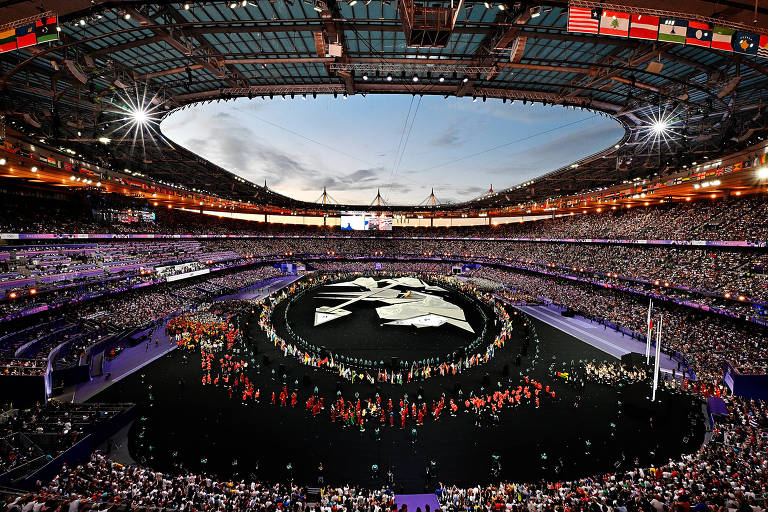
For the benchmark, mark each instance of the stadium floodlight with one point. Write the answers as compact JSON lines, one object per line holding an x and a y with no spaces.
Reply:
{"x":762,"y":173}
{"x":136,"y":115}
{"x":389,"y":78}
{"x":661,"y":128}
{"x":415,"y":78}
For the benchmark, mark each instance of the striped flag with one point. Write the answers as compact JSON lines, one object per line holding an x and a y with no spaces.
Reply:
{"x":721,"y":38}
{"x":644,"y":27}
{"x":762,"y":48}
{"x":7,"y":41}
{"x":745,"y":42}
{"x":25,"y":36}
{"x":699,"y":34}
{"x":584,"y":20}
{"x":45,"y":29}
{"x":672,"y":30}
{"x":614,"y":23}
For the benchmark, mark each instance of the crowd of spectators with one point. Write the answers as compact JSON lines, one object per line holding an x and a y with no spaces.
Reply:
{"x":735,"y":218}
{"x":706,"y":340}
{"x":36,"y":435}
{"x":727,"y":473}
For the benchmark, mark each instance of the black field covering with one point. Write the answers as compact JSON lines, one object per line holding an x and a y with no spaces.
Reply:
{"x":184,"y":423}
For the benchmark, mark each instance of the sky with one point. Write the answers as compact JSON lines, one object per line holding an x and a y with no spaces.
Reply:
{"x":403,"y":145}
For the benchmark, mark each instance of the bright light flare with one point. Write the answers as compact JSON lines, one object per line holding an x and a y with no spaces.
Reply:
{"x":137,"y":117}
{"x":661,"y":129}
{"x":140,"y":116}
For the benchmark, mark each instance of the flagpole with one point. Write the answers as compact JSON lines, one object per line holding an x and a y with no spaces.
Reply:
{"x":658,"y":358}
{"x":648,"y":334}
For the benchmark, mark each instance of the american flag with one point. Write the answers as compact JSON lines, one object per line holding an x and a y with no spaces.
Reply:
{"x":583,"y":19}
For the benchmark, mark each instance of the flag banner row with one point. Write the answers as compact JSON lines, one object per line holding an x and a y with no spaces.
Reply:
{"x":595,"y":20}
{"x":40,"y":31}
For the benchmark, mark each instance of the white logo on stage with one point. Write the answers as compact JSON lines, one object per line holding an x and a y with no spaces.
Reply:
{"x":414,"y":307}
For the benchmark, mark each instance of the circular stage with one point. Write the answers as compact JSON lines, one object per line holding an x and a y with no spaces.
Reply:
{"x":555,"y":429}
{"x":362,"y":334}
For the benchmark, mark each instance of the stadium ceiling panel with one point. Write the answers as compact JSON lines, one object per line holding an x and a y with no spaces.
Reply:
{"x":181,"y":53}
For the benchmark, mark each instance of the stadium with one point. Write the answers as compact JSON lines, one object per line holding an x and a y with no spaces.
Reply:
{"x":191,"y":320}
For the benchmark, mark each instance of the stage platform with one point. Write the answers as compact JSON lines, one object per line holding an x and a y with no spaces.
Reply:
{"x":414,"y":501}
{"x":596,"y":334}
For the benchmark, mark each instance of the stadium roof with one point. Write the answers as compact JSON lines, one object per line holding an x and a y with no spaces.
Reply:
{"x":71,"y":91}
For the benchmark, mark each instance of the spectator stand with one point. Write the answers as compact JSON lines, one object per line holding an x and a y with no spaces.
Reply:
{"x":750,"y":381}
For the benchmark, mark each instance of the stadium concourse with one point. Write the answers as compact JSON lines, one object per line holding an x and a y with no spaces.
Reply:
{"x":176,"y":336}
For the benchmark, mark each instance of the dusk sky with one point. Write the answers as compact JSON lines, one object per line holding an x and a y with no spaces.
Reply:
{"x":358,"y":145}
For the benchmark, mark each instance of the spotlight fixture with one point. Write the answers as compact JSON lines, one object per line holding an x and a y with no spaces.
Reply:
{"x":487,"y":5}
{"x":127,"y":16}
{"x":535,"y":12}
{"x":415,"y":78}
{"x":352,"y":3}
{"x":186,"y":7}
{"x":465,"y":79}
{"x":232,"y":5}
{"x":365,"y":76}
{"x":389,"y":77}
{"x":441,"y":79}
{"x":501,"y":7}
{"x":318,"y":8}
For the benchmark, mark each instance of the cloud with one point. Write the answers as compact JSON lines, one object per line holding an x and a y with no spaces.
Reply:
{"x":360,"y":179}
{"x":229,"y":135}
{"x":449,"y":138}
{"x":576,"y":144}
{"x":240,"y":151}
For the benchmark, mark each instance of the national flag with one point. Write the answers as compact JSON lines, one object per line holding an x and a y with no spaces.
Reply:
{"x":45,"y":29}
{"x":672,"y":30}
{"x":584,"y":20}
{"x":25,"y":36}
{"x":7,"y":41}
{"x":745,"y":42}
{"x":699,"y":34}
{"x":643,"y":26}
{"x":614,"y":23}
{"x":721,"y":38}
{"x":762,"y":47}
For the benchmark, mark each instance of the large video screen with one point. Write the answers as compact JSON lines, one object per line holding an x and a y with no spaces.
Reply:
{"x":365,"y":221}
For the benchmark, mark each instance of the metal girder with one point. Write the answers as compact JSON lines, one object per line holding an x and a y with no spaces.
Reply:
{"x":185,"y":50}
{"x":262,"y":90}
{"x":411,"y":66}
